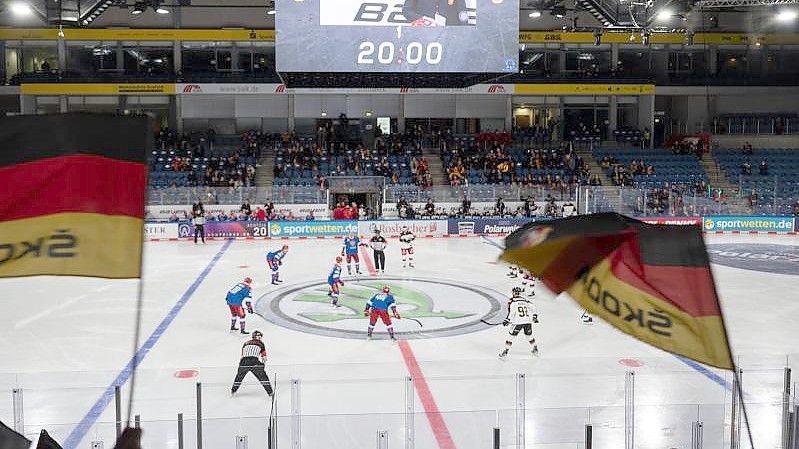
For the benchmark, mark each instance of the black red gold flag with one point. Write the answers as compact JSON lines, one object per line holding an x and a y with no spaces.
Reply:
{"x":650,"y":281}
{"x":72,"y":201}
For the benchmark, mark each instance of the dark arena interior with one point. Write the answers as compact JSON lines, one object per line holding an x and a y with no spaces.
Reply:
{"x":418,"y":224}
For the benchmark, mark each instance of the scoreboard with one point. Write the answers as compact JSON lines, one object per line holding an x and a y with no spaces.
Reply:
{"x":397,"y":36}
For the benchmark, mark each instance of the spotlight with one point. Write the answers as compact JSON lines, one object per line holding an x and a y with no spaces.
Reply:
{"x":161,"y":10}
{"x":664,"y":15}
{"x":534,"y":14}
{"x":21,"y":9}
{"x":787,"y":15}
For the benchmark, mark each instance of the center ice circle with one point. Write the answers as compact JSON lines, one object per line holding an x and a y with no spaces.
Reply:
{"x":444,"y":308}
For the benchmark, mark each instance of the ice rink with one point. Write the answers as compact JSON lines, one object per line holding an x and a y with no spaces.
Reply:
{"x":66,"y":342}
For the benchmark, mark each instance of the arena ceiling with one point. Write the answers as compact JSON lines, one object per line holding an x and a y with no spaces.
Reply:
{"x":655,"y":15}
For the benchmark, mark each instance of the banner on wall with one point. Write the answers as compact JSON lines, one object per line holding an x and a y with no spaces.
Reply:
{"x":490,"y":226}
{"x":394,"y":227}
{"x":748,"y":223}
{"x":160,"y":230}
{"x":260,"y":89}
{"x":679,"y":221}
{"x":311,"y":228}
{"x":227,"y":229}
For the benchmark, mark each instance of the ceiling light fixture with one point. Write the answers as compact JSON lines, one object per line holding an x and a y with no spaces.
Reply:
{"x":21,"y":9}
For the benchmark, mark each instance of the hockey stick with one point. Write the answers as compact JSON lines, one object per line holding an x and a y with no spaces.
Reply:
{"x":490,"y":324}
{"x":417,"y":321}
{"x":490,"y":242}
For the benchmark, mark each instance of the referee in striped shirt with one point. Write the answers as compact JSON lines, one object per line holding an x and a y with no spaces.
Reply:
{"x":253,"y":356}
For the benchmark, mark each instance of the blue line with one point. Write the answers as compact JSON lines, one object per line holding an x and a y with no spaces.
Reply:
{"x":706,"y":372}
{"x":108,"y":395}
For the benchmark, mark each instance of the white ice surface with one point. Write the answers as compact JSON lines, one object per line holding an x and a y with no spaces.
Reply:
{"x":64,"y":340}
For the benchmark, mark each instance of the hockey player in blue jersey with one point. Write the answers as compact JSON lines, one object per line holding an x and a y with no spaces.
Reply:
{"x":238,"y":297}
{"x":377,"y":307}
{"x":275,"y":260}
{"x":350,"y":249}
{"x":334,"y":281}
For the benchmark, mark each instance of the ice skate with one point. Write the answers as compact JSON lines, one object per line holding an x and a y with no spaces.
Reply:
{"x":535,"y":351}
{"x":243,"y":332}
{"x":503,"y":354}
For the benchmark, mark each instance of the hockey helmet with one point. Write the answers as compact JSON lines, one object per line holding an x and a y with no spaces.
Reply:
{"x":257,"y":334}
{"x":285,"y":248}
{"x":338,"y":259}
{"x":516,"y":291}
{"x":248,"y":280}
{"x":386,"y":289}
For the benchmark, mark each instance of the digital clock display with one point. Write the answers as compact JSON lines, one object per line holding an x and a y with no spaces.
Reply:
{"x":470,"y":36}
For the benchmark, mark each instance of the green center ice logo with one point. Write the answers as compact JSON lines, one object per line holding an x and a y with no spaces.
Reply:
{"x":443,"y":307}
{"x":412,"y":302}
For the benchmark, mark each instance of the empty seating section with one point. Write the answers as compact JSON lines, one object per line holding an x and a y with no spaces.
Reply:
{"x":781,"y":181}
{"x":626,"y":134}
{"x":303,"y":163}
{"x":668,"y":167}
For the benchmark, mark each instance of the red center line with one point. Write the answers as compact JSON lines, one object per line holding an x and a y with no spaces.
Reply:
{"x":434,"y":417}
{"x":370,"y":266}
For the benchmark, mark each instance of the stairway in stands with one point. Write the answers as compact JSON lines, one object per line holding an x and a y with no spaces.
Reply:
{"x":264,"y":172}
{"x":436,"y":167}
{"x":593,"y":165}
{"x":735,"y":200}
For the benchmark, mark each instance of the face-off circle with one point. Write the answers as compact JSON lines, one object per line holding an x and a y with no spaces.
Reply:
{"x":445,"y":308}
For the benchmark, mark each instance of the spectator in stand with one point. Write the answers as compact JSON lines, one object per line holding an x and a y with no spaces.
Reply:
{"x":746,"y":168}
{"x":796,"y":208}
{"x":747,"y":149}
{"x":269,"y":207}
{"x":402,"y":202}
{"x":429,"y":207}
{"x":246,"y":208}
{"x":753,"y":197}
{"x":500,"y":207}
{"x":764,"y":168}
{"x":354,"y":212}
{"x":466,"y":205}
{"x":310,"y":216}
{"x":530,"y":207}
{"x":260,"y":214}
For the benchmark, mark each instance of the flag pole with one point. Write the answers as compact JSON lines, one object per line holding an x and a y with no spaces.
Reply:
{"x":139,"y":290}
{"x":737,"y":389}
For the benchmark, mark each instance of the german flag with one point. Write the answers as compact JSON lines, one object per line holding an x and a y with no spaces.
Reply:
{"x":650,"y":281}
{"x":72,"y":197}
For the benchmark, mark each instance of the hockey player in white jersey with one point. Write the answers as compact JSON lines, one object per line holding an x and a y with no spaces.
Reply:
{"x":520,"y":318}
{"x":406,"y":246}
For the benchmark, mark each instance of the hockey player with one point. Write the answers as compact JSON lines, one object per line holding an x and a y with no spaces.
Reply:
{"x":253,"y":358}
{"x":528,"y":282}
{"x":238,"y":297}
{"x":406,"y":245}
{"x":513,"y":271}
{"x":377,"y":307}
{"x":350,"y":249}
{"x":275,"y":260}
{"x":521,"y":318}
{"x":334,"y":281}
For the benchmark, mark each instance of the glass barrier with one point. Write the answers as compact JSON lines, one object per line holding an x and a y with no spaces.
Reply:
{"x":548,"y":406}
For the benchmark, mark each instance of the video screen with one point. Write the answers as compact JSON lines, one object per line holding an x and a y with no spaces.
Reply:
{"x":398,"y":36}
